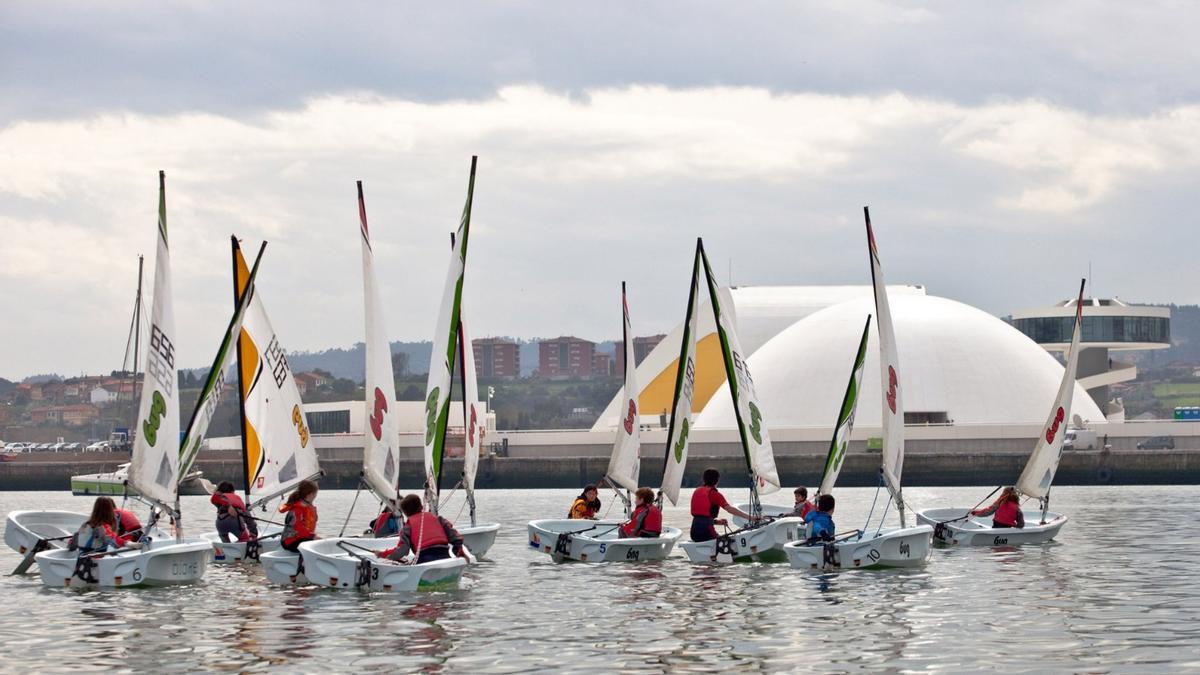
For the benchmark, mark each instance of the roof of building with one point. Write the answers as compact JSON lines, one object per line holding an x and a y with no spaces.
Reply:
{"x":954,"y":359}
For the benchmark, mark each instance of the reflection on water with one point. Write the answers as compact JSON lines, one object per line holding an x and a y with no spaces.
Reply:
{"x":1118,"y":591}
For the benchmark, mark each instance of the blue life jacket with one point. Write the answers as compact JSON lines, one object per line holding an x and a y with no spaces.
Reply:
{"x":822,"y":523}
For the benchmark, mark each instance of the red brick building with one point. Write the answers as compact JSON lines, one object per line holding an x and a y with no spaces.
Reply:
{"x":642,"y":346}
{"x":497,"y":357}
{"x":566,"y":357}
{"x":602,"y":365}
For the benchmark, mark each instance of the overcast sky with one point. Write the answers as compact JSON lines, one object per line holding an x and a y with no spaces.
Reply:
{"x":1002,"y":148}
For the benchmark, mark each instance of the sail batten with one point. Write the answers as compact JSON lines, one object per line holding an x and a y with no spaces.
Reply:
{"x":445,"y":348}
{"x":154,"y":463}
{"x":381,"y":465}
{"x":675,"y":460}
{"x":1038,"y":474}
{"x":840,"y":443}
{"x":624,"y":465}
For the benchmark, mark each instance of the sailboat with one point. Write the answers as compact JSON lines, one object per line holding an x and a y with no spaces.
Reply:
{"x":763,"y":538}
{"x":478,"y":537}
{"x":160,"y":457}
{"x":883,"y":547}
{"x":956,"y":526}
{"x":588,"y":541}
{"x":352,"y":562}
{"x":277,"y":452}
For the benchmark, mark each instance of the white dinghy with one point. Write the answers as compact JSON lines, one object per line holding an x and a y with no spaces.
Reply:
{"x":160,"y":458}
{"x":957,"y":526}
{"x":31,"y":532}
{"x":283,"y":568}
{"x":277,"y":452}
{"x":762,"y":539}
{"x":884,"y":547}
{"x":352,"y":563}
{"x":601,"y":541}
{"x":325,"y":561}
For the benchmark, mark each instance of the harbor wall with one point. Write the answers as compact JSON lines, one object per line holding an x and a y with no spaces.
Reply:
{"x":1151,"y":467}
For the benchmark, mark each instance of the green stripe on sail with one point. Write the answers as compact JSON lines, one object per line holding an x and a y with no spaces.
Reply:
{"x":837,"y":453}
{"x":681,"y":369}
{"x":190,"y":447}
{"x":727,"y":356}
{"x":464,"y":231}
{"x":162,"y":207}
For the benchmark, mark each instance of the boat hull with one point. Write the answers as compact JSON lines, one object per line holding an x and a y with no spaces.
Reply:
{"x":161,"y":564}
{"x":480,"y":538}
{"x":597,"y":541}
{"x":973,"y":531}
{"x":763,"y":543}
{"x":284,"y":568}
{"x":235,"y":551}
{"x":329,"y":564}
{"x":24,"y":529}
{"x":898,"y":547}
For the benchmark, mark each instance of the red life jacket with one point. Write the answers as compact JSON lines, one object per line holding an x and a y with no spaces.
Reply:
{"x":424,"y":531}
{"x":645,"y":520}
{"x":222,"y":500}
{"x":1006,"y":513}
{"x":702,"y":505}
{"x":127,"y":522}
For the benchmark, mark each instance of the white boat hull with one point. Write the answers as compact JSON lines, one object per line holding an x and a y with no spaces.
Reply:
{"x":328,"y":563}
{"x":161,"y":564}
{"x":283,"y":568}
{"x":763,"y":543}
{"x":896,"y":547}
{"x":976,"y":531}
{"x":597,"y":541}
{"x":24,"y":529}
{"x":480,"y":538}
{"x":235,"y":551}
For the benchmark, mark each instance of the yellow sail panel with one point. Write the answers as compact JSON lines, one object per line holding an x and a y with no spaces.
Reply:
{"x":710,"y":375}
{"x":241,"y":273}
{"x":253,"y":455}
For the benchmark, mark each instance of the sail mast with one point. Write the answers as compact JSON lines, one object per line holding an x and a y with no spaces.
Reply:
{"x":241,"y":385}
{"x":840,"y":442}
{"x":624,"y":466}
{"x":752,"y":430}
{"x":675,"y":453}
{"x":381,"y":469}
{"x":1039,"y":471}
{"x":890,"y":383}
{"x":441,"y":366}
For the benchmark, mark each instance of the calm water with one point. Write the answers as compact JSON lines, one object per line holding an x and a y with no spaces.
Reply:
{"x":1119,"y":591}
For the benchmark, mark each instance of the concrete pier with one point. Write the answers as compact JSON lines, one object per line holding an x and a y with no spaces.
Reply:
{"x":1151,"y":467}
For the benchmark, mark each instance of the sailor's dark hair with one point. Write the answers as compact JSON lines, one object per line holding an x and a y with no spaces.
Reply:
{"x":225,"y":486}
{"x":802,"y":491}
{"x":825,"y":503}
{"x":710,"y":477}
{"x":411,"y":505}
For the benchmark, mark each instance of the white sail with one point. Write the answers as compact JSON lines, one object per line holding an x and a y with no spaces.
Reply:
{"x":279,"y":452}
{"x":474,"y":415}
{"x":445,"y":348}
{"x":756,"y":442}
{"x":625,"y":463}
{"x":218,"y":377}
{"x":845,"y":422}
{"x":889,"y":367}
{"x":154,"y":464}
{"x":381,"y":455}
{"x":1039,"y":471}
{"x":685,"y":381}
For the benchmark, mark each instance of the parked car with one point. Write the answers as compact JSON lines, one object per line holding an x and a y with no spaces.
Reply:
{"x":1157,"y":443}
{"x":44,"y":447}
{"x":16,"y":447}
{"x":57,"y":447}
{"x":72,"y":447}
{"x":98,"y":446}
{"x":1080,"y":439}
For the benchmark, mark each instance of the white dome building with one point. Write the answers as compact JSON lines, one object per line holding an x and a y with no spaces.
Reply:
{"x":958,"y":364}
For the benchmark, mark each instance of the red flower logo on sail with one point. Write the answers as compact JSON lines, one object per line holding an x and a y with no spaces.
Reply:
{"x":630,"y":417}
{"x":1052,"y":431}
{"x":893,"y":382}
{"x":377,"y":417}
{"x":471,"y":428}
